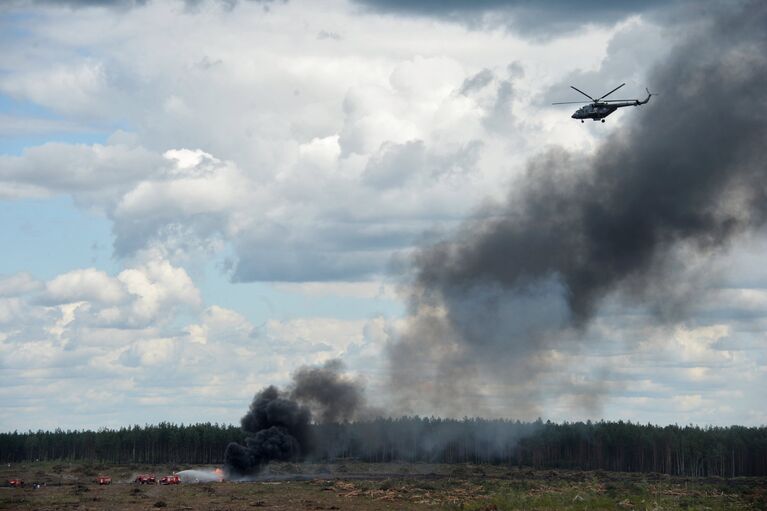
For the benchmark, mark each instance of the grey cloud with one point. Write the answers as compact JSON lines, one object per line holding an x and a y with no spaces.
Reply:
{"x":19,"y":284}
{"x":523,"y":16}
{"x":231,"y":4}
{"x":325,"y":34}
{"x":312,"y":259}
{"x":515,"y":70}
{"x":477,"y":82}
{"x":123,"y":4}
{"x":206,"y":63}
{"x":499,"y":117}
{"x":177,"y":232}
{"x":131,"y":185}
{"x":86,"y":3}
{"x":92,"y":174}
{"x":628,"y":54}
{"x":190,"y":211}
{"x":397,"y":164}
{"x":676,"y":186}
{"x":341,"y":243}
{"x":15,"y":126}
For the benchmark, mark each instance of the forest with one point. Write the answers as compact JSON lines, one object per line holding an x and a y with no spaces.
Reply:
{"x":616,"y":446}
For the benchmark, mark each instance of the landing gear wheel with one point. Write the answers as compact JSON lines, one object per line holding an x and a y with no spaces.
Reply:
{"x":603,"y":120}
{"x":581,"y":121}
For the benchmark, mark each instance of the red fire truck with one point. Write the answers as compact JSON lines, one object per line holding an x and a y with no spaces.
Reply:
{"x":174,"y":479}
{"x":104,"y":480}
{"x":145,"y":479}
{"x":16,"y":483}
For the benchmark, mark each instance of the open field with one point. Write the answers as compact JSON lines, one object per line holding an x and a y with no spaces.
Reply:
{"x":363,"y":486}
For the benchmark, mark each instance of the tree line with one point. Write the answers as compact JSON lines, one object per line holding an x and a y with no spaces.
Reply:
{"x":620,"y":446}
{"x":162,"y":443}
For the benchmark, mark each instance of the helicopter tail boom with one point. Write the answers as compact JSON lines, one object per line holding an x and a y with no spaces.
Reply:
{"x":647,"y":99}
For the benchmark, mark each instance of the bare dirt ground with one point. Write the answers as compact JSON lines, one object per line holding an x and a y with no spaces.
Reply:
{"x":365,"y":486}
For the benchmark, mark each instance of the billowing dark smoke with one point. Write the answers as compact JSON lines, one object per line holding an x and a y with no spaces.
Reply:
{"x":278,"y":423}
{"x":332,"y":397}
{"x":279,"y":429}
{"x":677,"y":184}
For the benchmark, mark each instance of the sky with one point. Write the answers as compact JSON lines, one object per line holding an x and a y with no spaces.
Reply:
{"x":200,"y":197}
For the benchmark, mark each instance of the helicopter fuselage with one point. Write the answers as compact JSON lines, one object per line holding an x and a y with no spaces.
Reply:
{"x":597,"y":111}
{"x":594,"y":111}
{"x":600,"y":108}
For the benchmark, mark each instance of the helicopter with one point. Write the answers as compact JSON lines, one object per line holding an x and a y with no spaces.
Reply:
{"x":600,"y":108}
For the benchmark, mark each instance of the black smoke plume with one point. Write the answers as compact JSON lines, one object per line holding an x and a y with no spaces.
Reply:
{"x":332,"y":397}
{"x":278,"y":423}
{"x":676,"y":185}
{"x":278,"y":429}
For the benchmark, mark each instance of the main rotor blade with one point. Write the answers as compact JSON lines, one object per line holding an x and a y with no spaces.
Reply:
{"x":618,"y":100}
{"x":592,"y":99}
{"x":571,"y":102}
{"x":618,"y":87}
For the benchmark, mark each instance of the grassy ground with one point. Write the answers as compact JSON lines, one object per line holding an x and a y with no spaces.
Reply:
{"x":360,"y":486}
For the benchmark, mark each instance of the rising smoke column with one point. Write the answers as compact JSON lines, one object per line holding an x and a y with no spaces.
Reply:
{"x":332,"y":396}
{"x":278,"y":423}
{"x":677,"y":184}
{"x":278,"y":429}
